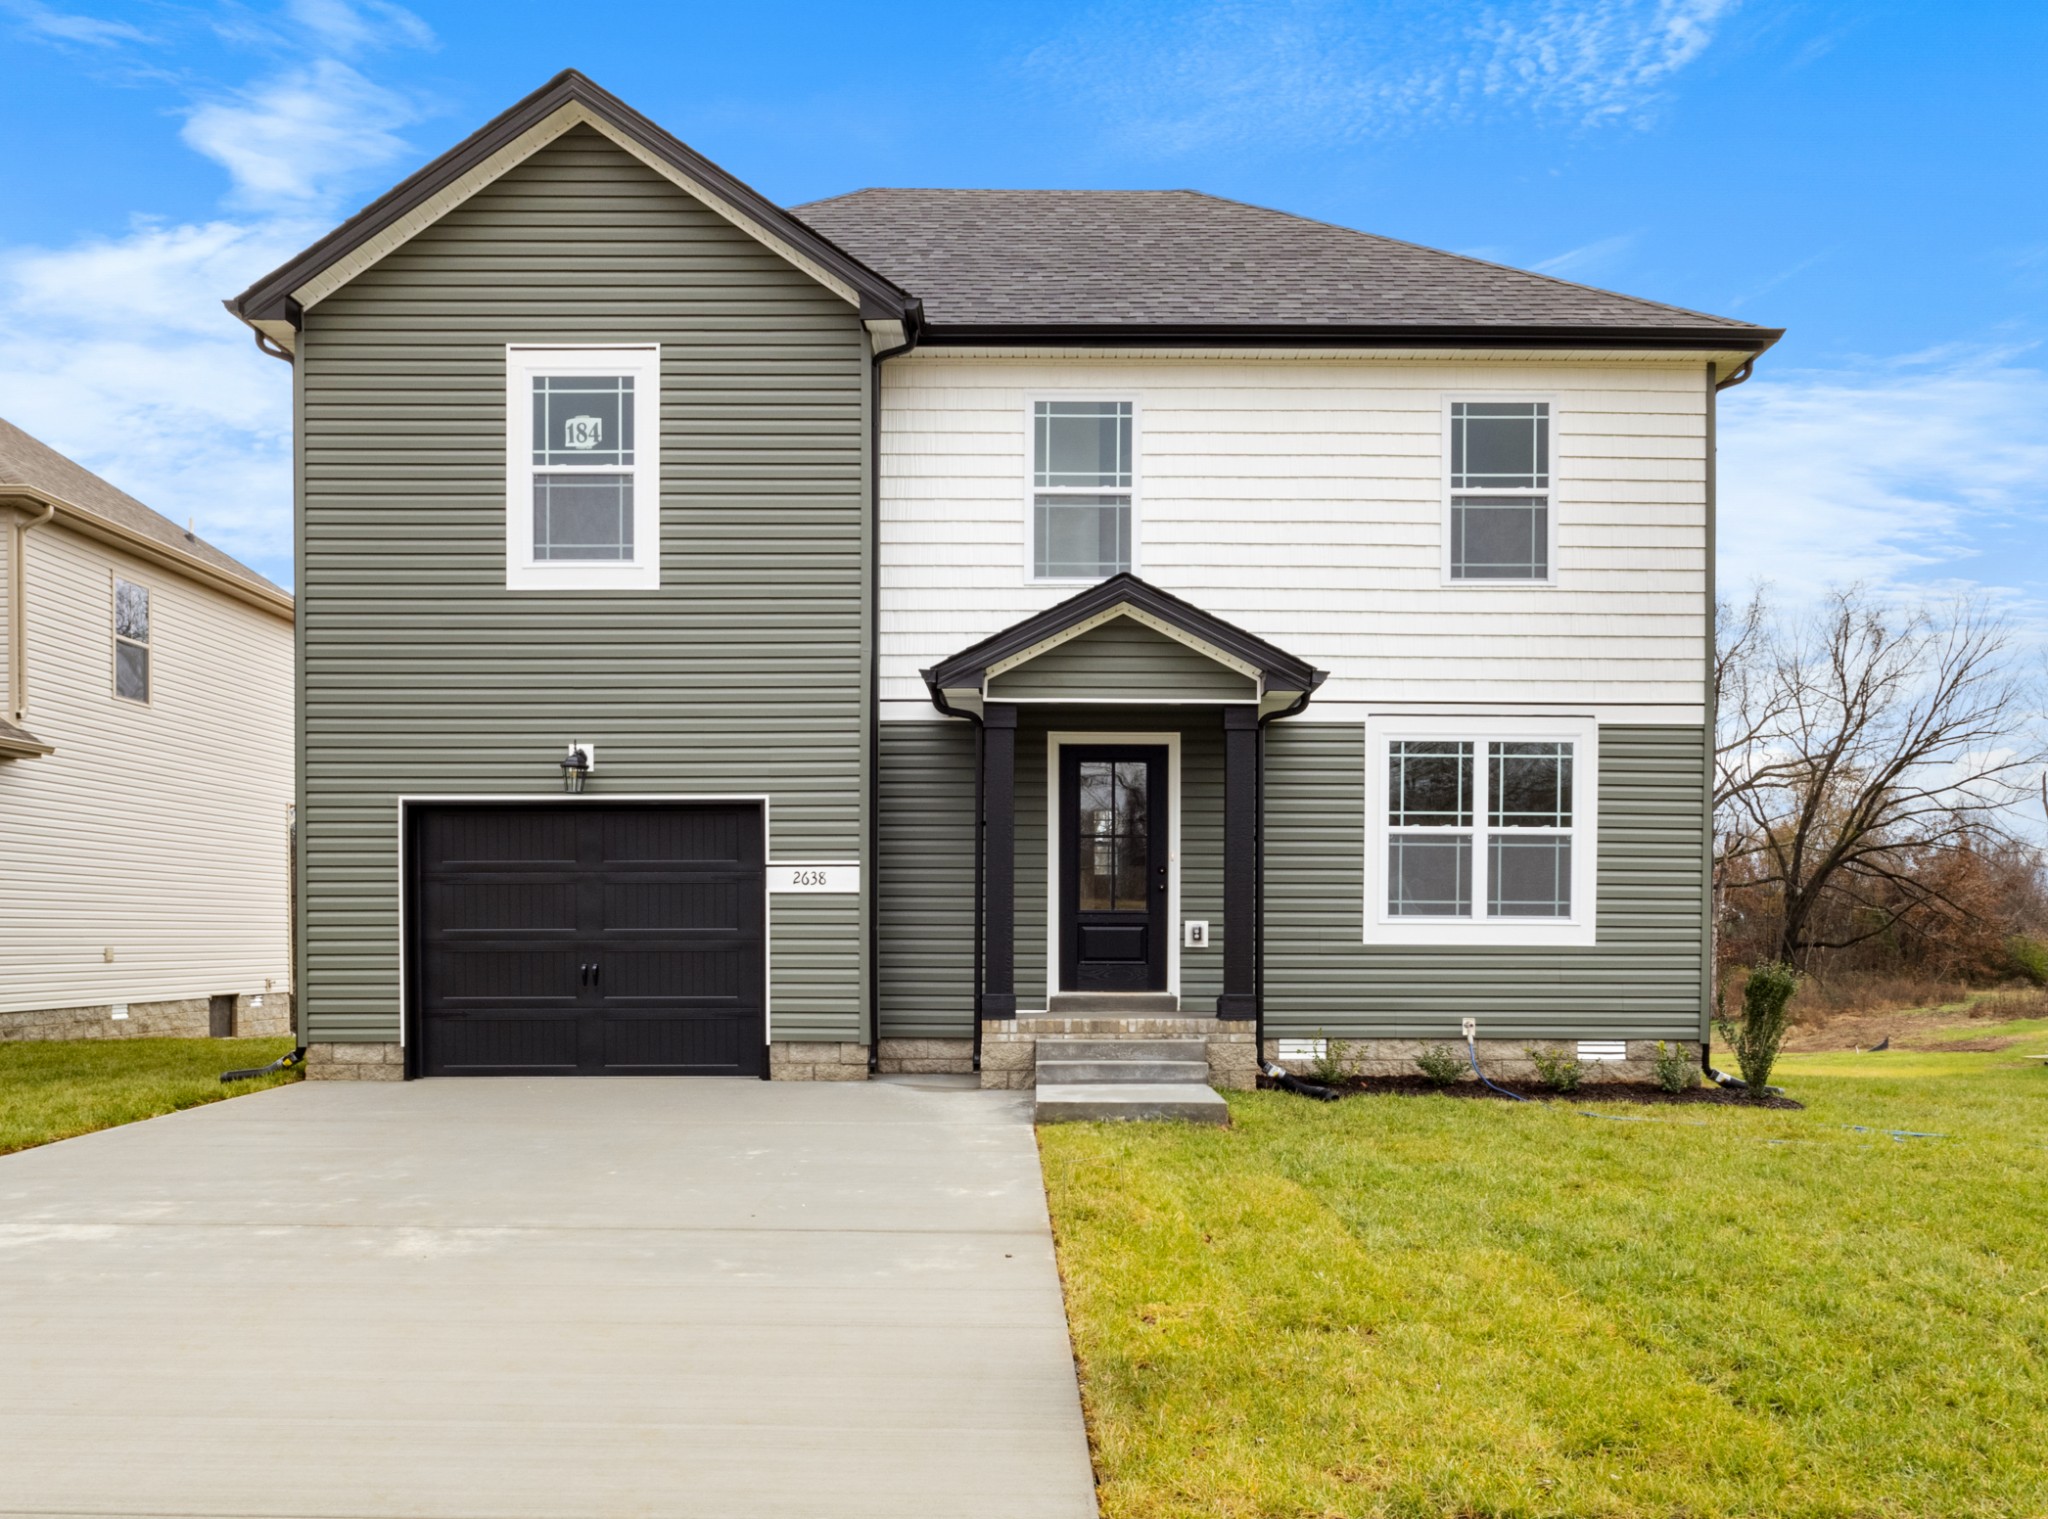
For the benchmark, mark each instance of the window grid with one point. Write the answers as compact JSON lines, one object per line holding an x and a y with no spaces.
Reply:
{"x":131,"y":641}
{"x":583,"y":457}
{"x":1499,"y":478}
{"x":1514,"y":855}
{"x":1082,"y":480}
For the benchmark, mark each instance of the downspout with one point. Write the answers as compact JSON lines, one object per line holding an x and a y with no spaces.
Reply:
{"x":980,"y":831}
{"x":874,"y":859}
{"x":1259,"y":874}
{"x":17,"y":612}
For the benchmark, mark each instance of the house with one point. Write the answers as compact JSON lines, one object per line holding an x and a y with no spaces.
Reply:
{"x":145,"y":768}
{"x":972,"y":618}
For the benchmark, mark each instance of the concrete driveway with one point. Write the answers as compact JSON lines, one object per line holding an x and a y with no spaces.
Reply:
{"x":547,"y":1298}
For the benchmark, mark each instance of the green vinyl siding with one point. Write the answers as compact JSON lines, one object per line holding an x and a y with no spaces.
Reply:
{"x":1642,"y":980}
{"x":925,"y":882}
{"x":423,"y":675}
{"x":1121,"y":658}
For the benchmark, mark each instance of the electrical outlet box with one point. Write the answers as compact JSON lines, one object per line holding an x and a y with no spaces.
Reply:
{"x":1195,"y":933}
{"x":1470,"y":1029}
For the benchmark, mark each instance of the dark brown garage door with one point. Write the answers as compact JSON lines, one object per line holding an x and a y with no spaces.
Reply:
{"x":574,"y":939}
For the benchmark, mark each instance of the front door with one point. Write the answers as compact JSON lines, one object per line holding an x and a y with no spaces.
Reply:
{"x":1113,"y":864}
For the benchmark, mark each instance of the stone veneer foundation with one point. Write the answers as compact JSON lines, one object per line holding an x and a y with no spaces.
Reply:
{"x":175,"y":1018}
{"x":805,"y":1060}
{"x":1500,"y":1059}
{"x":355,"y":1062}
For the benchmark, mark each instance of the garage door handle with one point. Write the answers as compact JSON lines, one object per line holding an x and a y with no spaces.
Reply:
{"x":596,"y":974}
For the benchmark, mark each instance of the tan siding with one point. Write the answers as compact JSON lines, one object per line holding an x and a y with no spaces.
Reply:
{"x":1303,"y":500}
{"x":423,"y":674}
{"x":155,"y":831}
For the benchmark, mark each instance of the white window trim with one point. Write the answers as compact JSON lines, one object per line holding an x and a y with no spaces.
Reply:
{"x":1583,"y":733}
{"x":1137,"y":406}
{"x":525,"y":361}
{"x":1550,"y":495}
{"x":115,"y":580}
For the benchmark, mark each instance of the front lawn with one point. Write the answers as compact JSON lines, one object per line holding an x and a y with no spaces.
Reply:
{"x":53,"y":1089}
{"x":1411,"y":1305}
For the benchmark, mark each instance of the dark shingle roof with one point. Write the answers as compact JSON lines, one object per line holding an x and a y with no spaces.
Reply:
{"x":983,"y":258}
{"x":30,"y":461}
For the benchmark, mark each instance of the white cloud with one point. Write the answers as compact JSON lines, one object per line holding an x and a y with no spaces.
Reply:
{"x":1588,"y":259}
{"x":292,"y":137}
{"x":1899,"y":474}
{"x":350,"y":28}
{"x":120,"y":355}
{"x":63,"y":26}
{"x":1305,"y":71}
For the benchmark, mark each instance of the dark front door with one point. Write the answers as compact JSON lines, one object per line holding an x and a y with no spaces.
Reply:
{"x":586,"y":939}
{"x":1113,"y":869}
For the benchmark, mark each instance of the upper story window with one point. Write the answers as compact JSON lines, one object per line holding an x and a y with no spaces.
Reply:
{"x":583,"y":469}
{"x":131,"y":640}
{"x":1481,"y":830}
{"x":1082,"y":485}
{"x":1500,"y":525}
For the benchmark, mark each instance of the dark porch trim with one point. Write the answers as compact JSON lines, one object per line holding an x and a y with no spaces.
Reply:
{"x":1242,"y":785}
{"x":996,"y":997}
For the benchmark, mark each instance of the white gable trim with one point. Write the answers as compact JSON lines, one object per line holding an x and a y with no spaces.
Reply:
{"x":521,"y":148}
{"x":1144,"y":619}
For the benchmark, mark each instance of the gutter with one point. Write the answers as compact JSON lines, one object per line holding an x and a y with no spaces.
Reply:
{"x":17,"y":614}
{"x":267,"y":598}
{"x":1259,"y":870}
{"x":874,"y":849}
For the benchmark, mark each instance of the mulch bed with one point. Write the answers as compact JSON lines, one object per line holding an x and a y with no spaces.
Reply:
{"x":1592,"y":1092}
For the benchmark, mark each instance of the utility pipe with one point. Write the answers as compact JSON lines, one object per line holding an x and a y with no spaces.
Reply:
{"x":17,"y":612}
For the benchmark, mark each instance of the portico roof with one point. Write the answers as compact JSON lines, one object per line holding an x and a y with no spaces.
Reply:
{"x":1276,"y":679}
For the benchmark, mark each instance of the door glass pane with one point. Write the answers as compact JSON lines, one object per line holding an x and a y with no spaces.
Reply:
{"x":1114,"y":847}
{"x":1098,"y":798}
{"x":1098,"y":874}
{"x":1132,"y":777}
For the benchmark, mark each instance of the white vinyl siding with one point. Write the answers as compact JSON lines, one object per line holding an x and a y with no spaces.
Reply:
{"x":1302,"y":498}
{"x":157,"y":831}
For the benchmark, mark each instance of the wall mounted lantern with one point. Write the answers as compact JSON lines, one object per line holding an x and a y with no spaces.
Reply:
{"x":576,"y":767}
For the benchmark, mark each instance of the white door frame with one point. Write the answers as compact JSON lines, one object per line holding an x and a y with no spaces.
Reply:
{"x":1169,"y":739}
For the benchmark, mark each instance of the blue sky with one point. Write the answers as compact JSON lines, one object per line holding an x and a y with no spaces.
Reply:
{"x":1867,"y":175}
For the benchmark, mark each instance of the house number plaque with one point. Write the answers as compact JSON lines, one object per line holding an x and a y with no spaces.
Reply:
{"x":835,"y":878}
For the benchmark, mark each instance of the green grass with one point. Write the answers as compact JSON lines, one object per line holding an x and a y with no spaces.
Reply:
{"x":57,"y":1088}
{"x":1431,"y":1306}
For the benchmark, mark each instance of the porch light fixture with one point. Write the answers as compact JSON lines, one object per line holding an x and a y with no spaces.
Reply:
{"x":576,"y":767}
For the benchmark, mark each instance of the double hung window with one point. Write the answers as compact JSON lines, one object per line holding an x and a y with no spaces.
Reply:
{"x":1082,"y":485}
{"x":1481,"y":832}
{"x":131,"y":641}
{"x":583,"y":468}
{"x":1500,"y":517}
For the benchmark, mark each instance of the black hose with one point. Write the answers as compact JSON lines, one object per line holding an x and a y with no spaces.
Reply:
{"x":1287,"y":1081}
{"x":282,"y":1063}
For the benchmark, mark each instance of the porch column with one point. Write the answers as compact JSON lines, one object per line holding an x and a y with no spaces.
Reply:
{"x":998,"y":992}
{"x":1240,"y":997}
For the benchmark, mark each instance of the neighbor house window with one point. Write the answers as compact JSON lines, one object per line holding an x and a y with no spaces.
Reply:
{"x":1500,"y":524}
{"x":1481,"y":830}
{"x":1082,"y":484}
{"x":583,"y":468}
{"x":131,"y":640}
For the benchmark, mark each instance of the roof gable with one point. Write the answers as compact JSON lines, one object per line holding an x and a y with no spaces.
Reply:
{"x":569,"y":100}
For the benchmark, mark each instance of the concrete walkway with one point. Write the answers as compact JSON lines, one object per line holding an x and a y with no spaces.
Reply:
{"x":541,"y":1298}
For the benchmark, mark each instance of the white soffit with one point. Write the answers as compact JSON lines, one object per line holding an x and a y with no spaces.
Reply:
{"x":1145,"y":619}
{"x":522,"y":147}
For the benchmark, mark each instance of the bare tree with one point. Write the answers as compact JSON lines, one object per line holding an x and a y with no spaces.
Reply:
{"x":1854,"y":744}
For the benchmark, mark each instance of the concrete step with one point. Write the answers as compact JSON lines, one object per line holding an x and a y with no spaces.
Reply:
{"x":1113,"y":1004}
{"x":1122,"y":1049}
{"x":1093,"y":1101}
{"x":1069,"y":1072}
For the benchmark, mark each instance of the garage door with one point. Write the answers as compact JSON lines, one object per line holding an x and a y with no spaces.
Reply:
{"x":588,"y":939}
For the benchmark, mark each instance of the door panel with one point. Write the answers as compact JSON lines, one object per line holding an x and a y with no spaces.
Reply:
{"x":585,"y":939}
{"x":1113,"y":868}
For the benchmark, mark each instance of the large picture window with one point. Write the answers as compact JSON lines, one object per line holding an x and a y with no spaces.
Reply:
{"x":1480,"y":831}
{"x":1499,"y":525}
{"x":583,"y":469}
{"x":1083,"y":480}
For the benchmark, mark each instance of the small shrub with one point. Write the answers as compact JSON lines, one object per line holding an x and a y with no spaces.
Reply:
{"x":2029,"y":957}
{"x":1676,"y":1070}
{"x":1558,"y":1071}
{"x":1328,"y":1066}
{"x":1755,"y":1040}
{"x":1441,"y":1064}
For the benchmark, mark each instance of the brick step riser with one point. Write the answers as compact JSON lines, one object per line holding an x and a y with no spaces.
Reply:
{"x":1127,"y":1072}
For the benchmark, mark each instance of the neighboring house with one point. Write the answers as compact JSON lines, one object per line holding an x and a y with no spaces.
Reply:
{"x":1321,"y":623}
{"x":145,"y":768}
